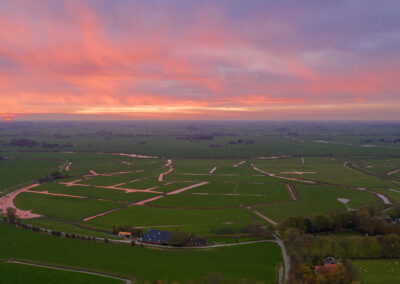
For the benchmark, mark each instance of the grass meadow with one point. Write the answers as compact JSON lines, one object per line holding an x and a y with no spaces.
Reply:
{"x":15,"y":273}
{"x":378,"y":270}
{"x":255,"y":261}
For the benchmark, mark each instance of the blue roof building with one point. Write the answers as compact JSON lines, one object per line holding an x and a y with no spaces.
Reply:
{"x":156,"y":237}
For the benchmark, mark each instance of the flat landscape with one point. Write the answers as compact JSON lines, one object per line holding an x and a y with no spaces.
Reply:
{"x":221,"y":194}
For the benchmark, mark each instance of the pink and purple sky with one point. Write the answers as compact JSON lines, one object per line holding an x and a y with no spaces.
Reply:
{"x":185,"y":59}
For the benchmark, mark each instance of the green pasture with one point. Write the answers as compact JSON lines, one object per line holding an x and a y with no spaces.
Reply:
{"x":381,"y":166}
{"x":196,"y":221}
{"x":60,"y":207}
{"x":16,"y":273}
{"x":107,"y":163}
{"x":254,"y":177}
{"x":168,"y":187}
{"x":67,"y":227}
{"x":17,"y":168}
{"x":256,"y":261}
{"x":317,"y":199}
{"x":94,"y":192}
{"x":327,"y":170}
{"x":276,"y":191}
{"x":378,"y":270}
{"x":190,"y":200}
{"x":111,"y":180}
{"x":144,"y":184}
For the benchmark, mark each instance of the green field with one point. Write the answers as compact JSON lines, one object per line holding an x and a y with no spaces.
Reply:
{"x":24,"y":167}
{"x":192,"y":221}
{"x":317,"y":199}
{"x":95,"y":192}
{"x":14,"y":273}
{"x":321,"y":161}
{"x":65,"y":208}
{"x":378,"y":271}
{"x":255,"y":261}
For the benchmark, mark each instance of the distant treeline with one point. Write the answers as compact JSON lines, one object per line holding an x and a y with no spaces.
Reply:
{"x":366,"y":220}
{"x":382,"y":140}
{"x":23,"y":142}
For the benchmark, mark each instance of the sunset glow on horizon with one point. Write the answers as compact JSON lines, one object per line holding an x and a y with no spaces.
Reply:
{"x":200,"y":59}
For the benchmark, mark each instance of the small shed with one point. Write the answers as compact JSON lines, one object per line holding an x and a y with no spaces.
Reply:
{"x":125,"y":234}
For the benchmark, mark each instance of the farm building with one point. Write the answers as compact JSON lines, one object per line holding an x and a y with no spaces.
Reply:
{"x":327,"y":267}
{"x":156,"y":237}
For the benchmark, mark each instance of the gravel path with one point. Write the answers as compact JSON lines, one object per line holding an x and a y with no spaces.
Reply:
{"x":286,"y":258}
{"x":393,"y":172}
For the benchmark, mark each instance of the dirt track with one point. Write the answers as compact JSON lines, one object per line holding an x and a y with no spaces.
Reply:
{"x":8,"y":201}
{"x":187,"y":188}
{"x":393,"y":172}
{"x":238,"y":164}
{"x":55,"y":194}
{"x":101,"y":214}
{"x":263,"y":217}
{"x":291,"y":191}
{"x":168,"y":165}
{"x":274,"y":175}
{"x":379,"y":195}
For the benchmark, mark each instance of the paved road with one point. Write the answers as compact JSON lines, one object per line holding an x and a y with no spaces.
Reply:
{"x":286,"y":258}
{"x":204,"y":247}
{"x":278,"y":241}
{"x":127,"y":281}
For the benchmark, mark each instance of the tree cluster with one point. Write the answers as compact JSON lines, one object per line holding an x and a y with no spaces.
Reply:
{"x":365,"y":219}
{"x":342,"y":274}
{"x":52,"y":176}
{"x":22,"y":142}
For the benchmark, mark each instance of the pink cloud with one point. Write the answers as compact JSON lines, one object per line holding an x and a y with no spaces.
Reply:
{"x":71,"y":59}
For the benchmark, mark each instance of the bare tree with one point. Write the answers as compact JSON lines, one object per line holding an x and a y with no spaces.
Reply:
{"x":11,"y":214}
